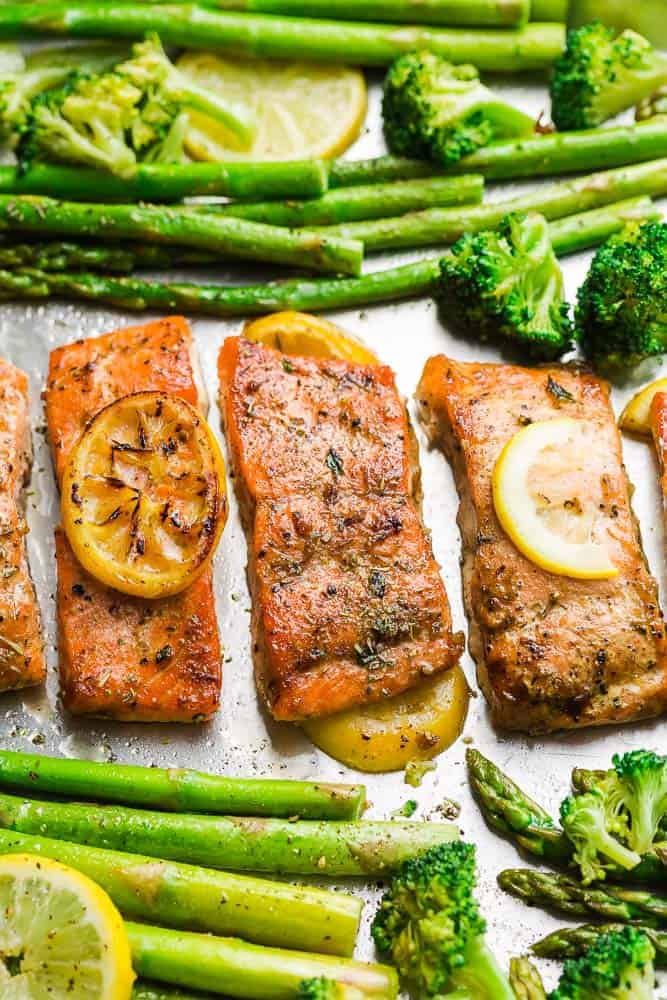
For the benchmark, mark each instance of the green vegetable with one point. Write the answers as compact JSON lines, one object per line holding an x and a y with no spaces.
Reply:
{"x":621,"y":314}
{"x":429,"y":926}
{"x":618,"y":966}
{"x":143,"y":990}
{"x":437,"y":111}
{"x":525,"y":980}
{"x":559,"y":892}
{"x":200,"y":899}
{"x":179,"y":789}
{"x":571,"y":942}
{"x":589,"y":822}
{"x":601,"y":74}
{"x":186,"y":25}
{"x":65,"y":255}
{"x":134,"y":112}
{"x":238,"y":969}
{"x":302,"y":847}
{"x":651,"y":106}
{"x":235,"y":238}
{"x":549,"y":10}
{"x":327,"y":989}
{"x":506,"y":285}
{"x":638,"y":783}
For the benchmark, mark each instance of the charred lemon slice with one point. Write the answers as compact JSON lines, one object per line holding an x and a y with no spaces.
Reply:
{"x":310,"y":336}
{"x":143,"y":496}
{"x":544,"y":502}
{"x":636,"y":416}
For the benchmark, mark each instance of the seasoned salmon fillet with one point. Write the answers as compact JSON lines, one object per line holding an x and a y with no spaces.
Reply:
{"x":552,"y":652}
{"x":21,"y":648}
{"x":348,"y":603}
{"x":120,"y":656}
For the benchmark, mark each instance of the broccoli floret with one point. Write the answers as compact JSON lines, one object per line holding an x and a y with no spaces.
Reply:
{"x":621,"y":314}
{"x":327,"y":989}
{"x":654,"y":105}
{"x":641,"y":791}
{"x":437,"y":111}
{"x":135,"y":112}
{"x":507,"y":284}
{"x":590,"y":822}
{"x":601,"y":74}
{"x":618,"y":966}
{"x":429,"y":926}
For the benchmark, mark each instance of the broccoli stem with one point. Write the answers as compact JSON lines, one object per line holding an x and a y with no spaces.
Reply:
{"x":171,"y":182}
{"x":535,"y":46}
{"x":583,"y":780}
{"x":559,"y":892}
{"x":571,"y":942}
{"x":443,"y":225}
{"x":231,"y":238}
{"x":475,"y":13}
{"x":368,"y":201}
{"x":481,"y":974}
{"x":235,"y":116}
{"x":408,"y":281}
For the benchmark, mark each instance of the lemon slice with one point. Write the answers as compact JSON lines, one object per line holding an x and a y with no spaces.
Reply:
{"x":309,"y":336}
{"x":302,"y":110}
{"x":60,"y":935}
{"x":636,"y":417}
{"x":543,"y":501}
{"x":143,"y":496}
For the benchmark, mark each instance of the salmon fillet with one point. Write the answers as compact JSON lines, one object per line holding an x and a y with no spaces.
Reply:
{"x":21,"y":647}
{"x":348,"y":603}
{"x":120,"y":656}
{"x":552,"y":652}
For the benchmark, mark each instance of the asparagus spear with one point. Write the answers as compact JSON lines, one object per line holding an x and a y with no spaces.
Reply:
{"x":204,"y":231}
{"x":525,"y":980}
{"x":477,"y":13}
{"x":408,"y":281}
{"x":549,"y":10}
{"x":65,"y":255}
{"x":535,"y":46}
{"x":571,"y":942}
{"x":238,"y":969}
{"x":180,"y":789}
{"x":367,"y":201}
{"x":238,"y":843}
{"x":199,"y":899}
{"x":144,"y":990}
{"x":559,"y":892}
{"x":170,"y":181}
{"x":445,"y":225}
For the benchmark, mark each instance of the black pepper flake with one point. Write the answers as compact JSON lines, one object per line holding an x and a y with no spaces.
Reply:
{"x":559,"y":392}
{"x":334,"y":462}
{"x":166,"y":653}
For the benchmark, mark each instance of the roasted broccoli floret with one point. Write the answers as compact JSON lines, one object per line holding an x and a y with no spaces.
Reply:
{"x":601,"y":74}
{"x":639,"y":782}
{"x":506,"y":284}
{"x":441,"y":112}
{"x":654,"y":105}
{"x":618,"y":966}
{"x":327,"y":989}
{"x":135,"y":112}
{"x":591,"y":823}
{"x":621,"y":314}
{"x":429,"y":926}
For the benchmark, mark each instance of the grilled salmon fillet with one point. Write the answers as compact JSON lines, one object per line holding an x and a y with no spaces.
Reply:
{"x":120,"y":656}
{"x":552,"y":652}
{"x":21,"y":648}
{"x":348,"y":603}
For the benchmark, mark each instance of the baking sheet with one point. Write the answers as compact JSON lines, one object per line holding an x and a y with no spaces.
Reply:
{"x":242,"y":740}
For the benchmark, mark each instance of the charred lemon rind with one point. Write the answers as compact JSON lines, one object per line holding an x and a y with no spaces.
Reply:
{"x":301,"y":334}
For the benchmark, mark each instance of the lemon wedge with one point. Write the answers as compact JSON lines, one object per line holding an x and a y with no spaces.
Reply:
{"x":300,"y":333}
{"x":301,"y":110}
{"x":143,"y":496}
{"x":60,"y":935}
{"x":636,"y":417}
{"x":540,"y":496}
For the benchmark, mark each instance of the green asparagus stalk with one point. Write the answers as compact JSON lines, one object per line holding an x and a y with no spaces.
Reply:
{"x":368,"y":201}
{"x":549,"y":10}
{"x":180,"y":789}
{"x":65,"y":255}
{"x":476,"y":13}
{"x":199,"y":899}
{"x":238,"y":969}
{"x":170,"y":181}
{"x":571,"y":942}
{"x":302,"y":847}
{"x":445,"y":225}
{"x":535,"y":46}
{"x":409,"y":281}
{"x":559,"y":892}
{"x":144,"y":990}
{"x":379,"y":170}
{"x":525,"y":980}
{"x":234,"y":238}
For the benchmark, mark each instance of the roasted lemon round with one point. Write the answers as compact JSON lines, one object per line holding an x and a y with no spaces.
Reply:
{"x":143,"y":496}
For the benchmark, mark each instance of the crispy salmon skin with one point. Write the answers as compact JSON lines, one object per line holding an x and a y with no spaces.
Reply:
{"x":348,"y":603}
{"x":552,"y":652}
{"x":120,"y":656}
{"x":21,"y":648}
